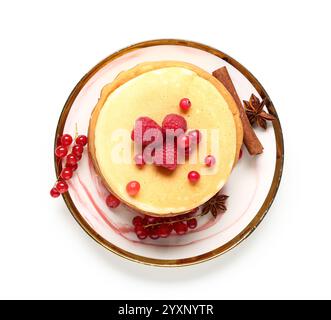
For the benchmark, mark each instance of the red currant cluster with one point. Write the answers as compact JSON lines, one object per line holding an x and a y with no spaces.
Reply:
{"x":156,"y":228}
{"x":71,"y":163}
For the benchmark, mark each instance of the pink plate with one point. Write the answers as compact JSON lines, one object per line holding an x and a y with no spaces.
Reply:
{"x":251,"y":187}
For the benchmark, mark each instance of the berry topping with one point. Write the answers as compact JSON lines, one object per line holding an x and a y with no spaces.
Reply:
{"x":193,"y":176}
{"x":145,"y":131}
{"x":71,"y":159}
{"x":192,"y":223}
{"x":166,"y":156}
{"x":77,"y":150}
{"x":139,"y":160}
{"x":185,"y":104}
{"x":180,"y":227}
{"x":183,"y":141}
{"x":61,"y":186}
{"x":210,"y":161}
{"x":61,"y":151}
{"x":195,"y":136}
{"x":66,"y":173}
{"x":54,"y":193}
{"x":66,"y":140}
{"x":133,"y":188}
{"x":172,"y":122}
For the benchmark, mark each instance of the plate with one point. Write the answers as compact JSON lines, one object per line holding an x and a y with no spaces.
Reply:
{"x":252,"y":186}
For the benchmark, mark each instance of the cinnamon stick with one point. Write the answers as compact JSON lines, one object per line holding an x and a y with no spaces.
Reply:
{"x":251,"y":141}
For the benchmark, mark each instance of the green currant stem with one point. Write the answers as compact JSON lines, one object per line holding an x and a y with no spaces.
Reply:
{"x":171,"y":222}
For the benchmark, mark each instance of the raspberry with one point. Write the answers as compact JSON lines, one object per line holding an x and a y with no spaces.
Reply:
{"x":146,"y":125}
{"x":173,"y":122}
{"x":166,"y":156}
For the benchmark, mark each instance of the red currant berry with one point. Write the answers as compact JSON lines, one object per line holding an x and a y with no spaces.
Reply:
{"x":71,"y":159}
{"x":139,"y":160}
{"x":210,"y":161}
{"x":77,"y":150}
{"x":192,"y":223}
{"x":240,"y":154}
{"x":66,"y":140}
{"x":141,"y":232}
{"x":193,"y":176}
{"x":195,"y":136}
{"x":81,"y":140}
{"x":180,"y":227}
{"x":132,"y":188}
{"x":163,"y":230}
{"x":61,"y":151}
{"x":112,"y":201}
{"x":183,"y":141}
{"x":54,"y":193}
{"x":151,"y":220}
{"x":78,"y":156}
{"x":61,"y":186}
{"x":137,"y":221}
{"x":132,"y":135}
{"x":185,"y":104}
{"x":72,"y":167}
{"x":66,"y":173}
{"x":153,"y":234}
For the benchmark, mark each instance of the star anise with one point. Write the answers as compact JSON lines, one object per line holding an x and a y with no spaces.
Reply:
{"x":216,"y":205}
{"x":256,"y":115}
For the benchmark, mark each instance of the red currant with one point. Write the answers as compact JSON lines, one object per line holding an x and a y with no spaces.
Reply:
{"x":137,"y":221}
{"x":183,"y":141}
{"x":163,"y":230}
{"x":210,"y":161}
{"x":71,"y":159}
{"x":61,"y":151}
{"x":139,"y":160}
{"x":61,"y":186}
{"x":141,"y":232}
{"x":133,"y":188}
{"x":192,"y":223}
{"x":73,"y":167}
{"x":77,"y":150}
{"x":112,"y":201}
{"x":180,"y":227}
{"x":66,"y":140}
{"x":78,"y":156}
{"x":66,"y":173}
{"x":153,"y":234}
{"x":195,"y":136}
{"x":193,"y":176}
{"x":151,"y":220}
{"x":81,"y":140}
{"x":185,"y":104}
{"x":54,"y":193}
{"x":132,"y":135}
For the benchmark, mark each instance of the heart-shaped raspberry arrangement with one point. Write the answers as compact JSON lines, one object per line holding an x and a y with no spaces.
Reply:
{"x":164,"y":141}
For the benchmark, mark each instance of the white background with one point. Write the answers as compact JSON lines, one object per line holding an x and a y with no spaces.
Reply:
{"x":45,"y":48}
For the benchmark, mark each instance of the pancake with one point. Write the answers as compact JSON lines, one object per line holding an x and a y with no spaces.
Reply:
{"x":154,"y":89}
